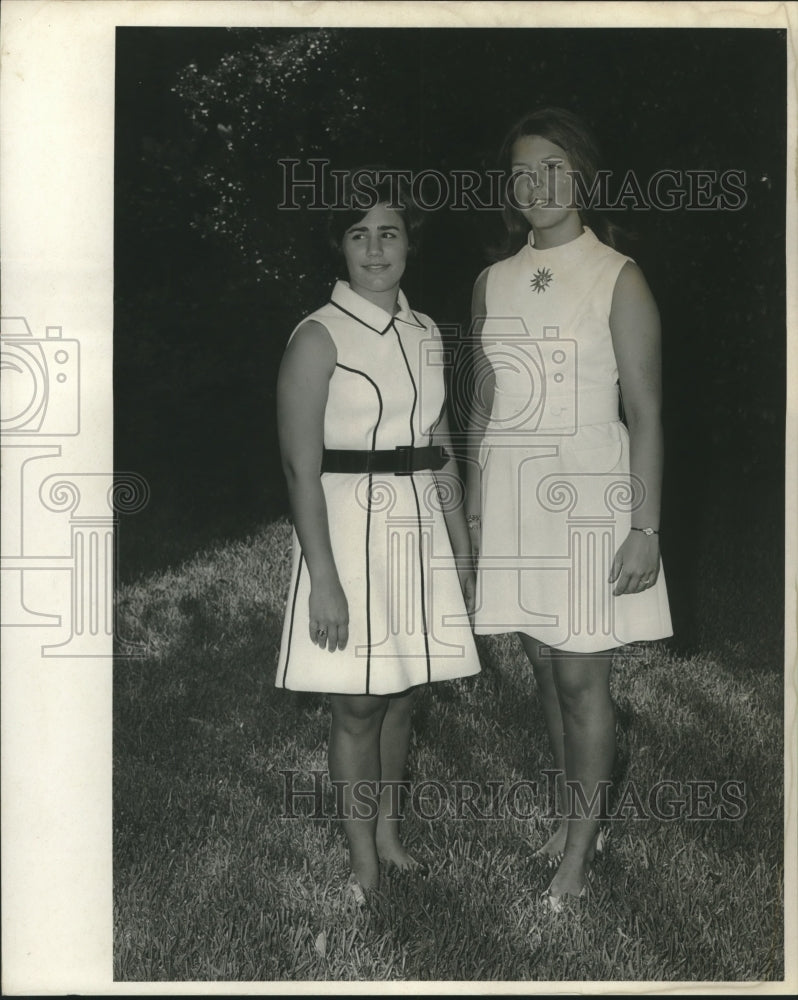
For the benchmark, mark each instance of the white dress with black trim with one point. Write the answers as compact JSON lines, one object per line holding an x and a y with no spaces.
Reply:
{"x":407,"y":620}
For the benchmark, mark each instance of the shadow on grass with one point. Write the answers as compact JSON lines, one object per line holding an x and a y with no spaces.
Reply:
{"x":212,"y":881}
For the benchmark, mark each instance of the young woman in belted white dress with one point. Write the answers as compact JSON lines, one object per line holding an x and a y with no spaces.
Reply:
{"x":377,"y":605}
{"x":563,"y":496}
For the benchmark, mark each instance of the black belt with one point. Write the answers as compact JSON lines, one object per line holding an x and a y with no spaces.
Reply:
{"x":401,"y":461}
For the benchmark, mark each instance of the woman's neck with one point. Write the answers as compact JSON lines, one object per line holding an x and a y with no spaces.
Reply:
{"x":548,"y":237}
{"x":387,"y":300}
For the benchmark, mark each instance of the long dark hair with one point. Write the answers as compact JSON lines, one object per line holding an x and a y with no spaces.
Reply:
{"x":569,"y":131}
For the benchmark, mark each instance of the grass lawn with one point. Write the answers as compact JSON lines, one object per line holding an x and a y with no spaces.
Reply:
{"x":213,"y":882}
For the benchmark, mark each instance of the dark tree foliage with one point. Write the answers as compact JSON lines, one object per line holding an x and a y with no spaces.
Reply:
{"x":212,"y":275}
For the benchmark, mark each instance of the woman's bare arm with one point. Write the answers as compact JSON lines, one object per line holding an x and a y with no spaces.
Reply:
{"x":635,"y":327}
{"x":483,"y":381}
{"x":450,"y":492}
{"x":302,"y":391}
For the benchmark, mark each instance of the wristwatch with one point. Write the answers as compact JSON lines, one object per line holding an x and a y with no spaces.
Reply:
{"x":647,"y":531}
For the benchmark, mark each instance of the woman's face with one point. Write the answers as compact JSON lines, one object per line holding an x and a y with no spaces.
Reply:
{"x":375,"y":250}
{"x":541,"y":185}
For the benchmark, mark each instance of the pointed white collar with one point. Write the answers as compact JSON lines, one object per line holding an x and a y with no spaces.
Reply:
{"x":371,"y":315}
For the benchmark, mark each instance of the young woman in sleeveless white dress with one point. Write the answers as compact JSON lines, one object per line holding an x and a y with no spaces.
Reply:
{"x":564,"y":498}
{"x":377,"y":603}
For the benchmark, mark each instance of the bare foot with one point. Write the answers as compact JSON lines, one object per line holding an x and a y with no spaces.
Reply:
{"x":355,"y":892}
{"x":555,"y":845}
{"x":554,"y":848}
{"x":395,"y":854}
{"x":571,"y":877}
{"x":365,"y":871}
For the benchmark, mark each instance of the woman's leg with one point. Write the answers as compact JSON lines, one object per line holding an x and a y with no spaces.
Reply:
{"x":354,"y":756}
{"x":394,"y":745}
{"x":540,"y":657}
{"x":583,"y":687}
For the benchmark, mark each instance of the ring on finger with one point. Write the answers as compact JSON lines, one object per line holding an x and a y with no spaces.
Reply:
{"x":321,"y":632}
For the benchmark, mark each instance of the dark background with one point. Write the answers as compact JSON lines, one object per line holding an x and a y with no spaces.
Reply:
{"x":210,"y":278}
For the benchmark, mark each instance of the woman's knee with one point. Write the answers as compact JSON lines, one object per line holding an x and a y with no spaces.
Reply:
{"x":358,"y":714}
{"x":576,"y":699}
{"x":582,"y":682}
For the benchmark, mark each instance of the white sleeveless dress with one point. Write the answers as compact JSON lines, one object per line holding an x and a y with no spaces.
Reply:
{"x":407,"y":620}
{"x":557,"y":494}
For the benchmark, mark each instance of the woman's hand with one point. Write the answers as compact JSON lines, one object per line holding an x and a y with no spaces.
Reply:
{"x":636,"y":564}
{"x":468,"y":585}
{"x":329,"y":615}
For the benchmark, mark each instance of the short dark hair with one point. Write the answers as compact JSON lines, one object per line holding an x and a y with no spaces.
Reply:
{"x":365,"y":188}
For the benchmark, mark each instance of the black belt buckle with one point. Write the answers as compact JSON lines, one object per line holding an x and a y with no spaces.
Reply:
{"x":404,"y":460}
